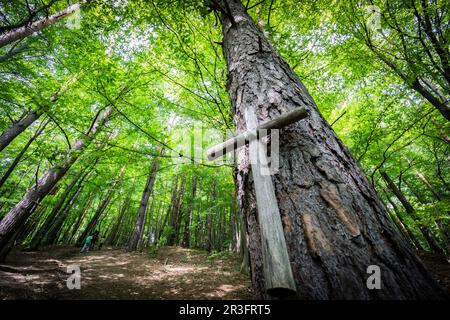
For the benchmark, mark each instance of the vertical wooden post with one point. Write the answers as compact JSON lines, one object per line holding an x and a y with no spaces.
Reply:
{"x":279,"y":280}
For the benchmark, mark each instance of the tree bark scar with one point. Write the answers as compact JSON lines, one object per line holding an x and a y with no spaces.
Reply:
{"x":329,"y":193}
{"x":315,"y":238}
{"x":287,"y":223}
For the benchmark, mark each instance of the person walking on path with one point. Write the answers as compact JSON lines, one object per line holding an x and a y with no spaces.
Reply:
{"x":87,"y":244}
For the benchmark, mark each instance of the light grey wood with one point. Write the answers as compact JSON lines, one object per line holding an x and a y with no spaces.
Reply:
{"x":249,"y":135}
{"x":279,"y":280}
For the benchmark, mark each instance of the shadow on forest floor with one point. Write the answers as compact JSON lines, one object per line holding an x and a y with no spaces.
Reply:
{"x":171,"y":273}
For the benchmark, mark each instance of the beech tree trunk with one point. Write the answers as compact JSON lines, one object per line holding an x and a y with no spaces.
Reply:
{"x":175,"y":216}
{"x":39,"y":236}
{"x":77,"y":224}
{"x":114,"y":230}
{"x":17,"y":128}
{"x":334,"y":223}
{"x":22,"y":210}
{"x":101,"y":207}
{"x":432,"y":243}
{"x":143,"y":206}
{"x":17,"y":159}
{"x":188,"y":227}
{"x":36,"y":26}
{"x":51,"y":237}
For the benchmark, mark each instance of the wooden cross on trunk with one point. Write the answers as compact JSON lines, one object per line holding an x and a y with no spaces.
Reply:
{"x":278,"y":276}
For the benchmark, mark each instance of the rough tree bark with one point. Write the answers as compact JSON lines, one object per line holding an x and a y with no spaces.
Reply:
{"x":143,"y":205}
{"x":334,"y":223}
{"x":22,"y":210}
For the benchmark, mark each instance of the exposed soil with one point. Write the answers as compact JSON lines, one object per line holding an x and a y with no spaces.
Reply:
{"x":171,"y":273}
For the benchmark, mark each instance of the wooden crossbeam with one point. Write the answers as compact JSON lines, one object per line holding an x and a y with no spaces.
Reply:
{"x":249,"y":135}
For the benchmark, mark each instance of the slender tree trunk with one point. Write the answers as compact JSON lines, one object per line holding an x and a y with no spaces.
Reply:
{"x":433,"y":244}
{"x":159,"y":224}
{"x":188,"y":228}
{"x":209,"y":219}
{"x":401,"y":221}
{"x":38,"y":237}
{"x":49,"y":221}
{"x":114,"y":230}
{"x":143,"y":206}
{"x":150,"y":225}
{"x":172,"y":239}
{"x":17,"y":128}
{"x":20,"y":155}
{"x":36,"y":26}
{"x":101,"y":207}
{"x":427,"y":183}
{"x":21,"y":211}
{"x":328,"y":207}
{"x":52,"y":234}
{"x":77,"y":224}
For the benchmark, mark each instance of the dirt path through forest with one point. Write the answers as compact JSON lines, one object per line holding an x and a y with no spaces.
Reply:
{"x":171,"y":273}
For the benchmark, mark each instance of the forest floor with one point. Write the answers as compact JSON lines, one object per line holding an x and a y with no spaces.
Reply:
{"x":169,"y":273}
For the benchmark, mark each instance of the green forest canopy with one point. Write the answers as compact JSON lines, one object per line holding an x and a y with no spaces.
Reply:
{"x":160,"y":65}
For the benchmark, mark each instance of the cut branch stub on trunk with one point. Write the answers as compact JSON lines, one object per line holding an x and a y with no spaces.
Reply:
{"x":279,"y":280}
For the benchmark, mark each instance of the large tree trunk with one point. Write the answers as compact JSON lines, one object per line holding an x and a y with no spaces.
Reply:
{"x":25,"y":31}
{"x":334,"y":224}
{"x":22,"y":210}
{"x":142,"y":211}
{"x":17,"y":128}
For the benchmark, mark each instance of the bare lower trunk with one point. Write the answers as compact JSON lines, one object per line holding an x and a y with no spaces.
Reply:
{"x":77,"y":224}
{"x":334,"y":224}
{"x":143,"y":205}
{"x":101,"y":208}
{"x":175,"y":216}
{"x":114,"y":230}
{"x":39,"y":236}
{"x":428,"y":235}
{"x":52,"y":234}
{"x":188,"y":227}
